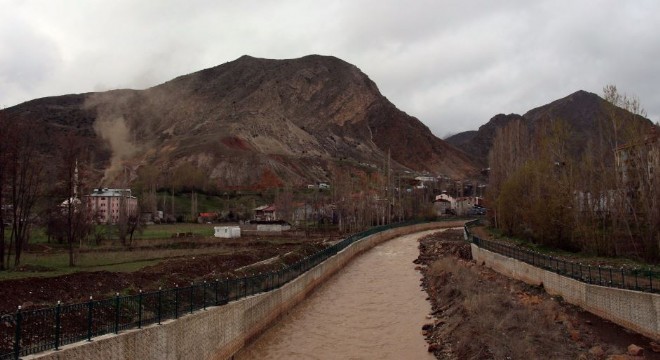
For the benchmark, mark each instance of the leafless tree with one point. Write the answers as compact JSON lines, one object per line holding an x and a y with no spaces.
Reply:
{"x":8,"y":129}
{"x":605,"y":201}
{"x":73,"y":214}
{"x":25,"y":169}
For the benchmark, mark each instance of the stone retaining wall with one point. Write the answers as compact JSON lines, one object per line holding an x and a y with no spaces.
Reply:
{"x":635,"y":310}
{"x":220,"y":332}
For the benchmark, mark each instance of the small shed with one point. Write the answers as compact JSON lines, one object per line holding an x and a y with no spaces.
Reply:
{"x":227,"y":231}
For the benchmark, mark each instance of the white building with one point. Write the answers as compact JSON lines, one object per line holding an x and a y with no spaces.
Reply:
{"x":227,"y":232}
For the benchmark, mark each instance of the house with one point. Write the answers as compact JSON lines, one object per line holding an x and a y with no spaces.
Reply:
{"x":227,"y":232}
{"x":109,"y":205}
{"x":320,"y":186}
{"x":467,"y":203}
{"x":446,"y":204}
{"x":265,"y":227}
{"x":207,"y":217}
{"x":265,"y":213}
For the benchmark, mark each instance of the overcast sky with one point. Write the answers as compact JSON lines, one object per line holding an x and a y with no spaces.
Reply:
{"x":452,"y":64}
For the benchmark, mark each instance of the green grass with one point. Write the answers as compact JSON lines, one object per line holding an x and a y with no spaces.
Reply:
{"x":57,"y":263}
{"x":581,"y":257}
{"x":164,"y":231}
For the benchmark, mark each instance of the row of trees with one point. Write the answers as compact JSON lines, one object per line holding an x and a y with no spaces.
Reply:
{"x":544,"y":188}
{"x":42,"y":177}
{"x":358,"y":199}
{"x":21,"y":174}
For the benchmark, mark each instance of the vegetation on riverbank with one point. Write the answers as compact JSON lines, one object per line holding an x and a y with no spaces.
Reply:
{"x":479,"y":314}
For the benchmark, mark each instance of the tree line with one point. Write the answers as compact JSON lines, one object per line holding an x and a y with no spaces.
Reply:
{"x":46,"y":172}
{"x":598,"y":195}
{"x":44,"y":175}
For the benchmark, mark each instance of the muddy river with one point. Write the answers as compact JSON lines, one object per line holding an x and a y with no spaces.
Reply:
{"x":374,"y":308}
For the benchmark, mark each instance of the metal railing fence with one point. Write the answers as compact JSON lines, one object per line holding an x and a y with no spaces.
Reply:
{"x":645,"y":280}
{"x":31,"y":331}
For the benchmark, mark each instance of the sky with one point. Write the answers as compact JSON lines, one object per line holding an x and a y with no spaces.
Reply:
{"x":451,"y":64}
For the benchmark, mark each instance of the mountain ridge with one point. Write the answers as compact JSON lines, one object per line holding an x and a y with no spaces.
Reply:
{"x":582,"y":111}
{"x":251,"y":122}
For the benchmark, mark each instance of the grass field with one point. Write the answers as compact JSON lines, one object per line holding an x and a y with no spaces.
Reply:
{"x":54,"y":261}
{"x":156,"y":231}
{"x":55,"y":264}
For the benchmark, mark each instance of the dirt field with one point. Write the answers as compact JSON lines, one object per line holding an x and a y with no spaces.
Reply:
{"x":479,"y":314}
{"x":249,"y":254}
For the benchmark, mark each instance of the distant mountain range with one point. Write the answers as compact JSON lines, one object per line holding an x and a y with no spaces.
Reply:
{"x":582,"y":111}
{"x":259,"y":123}
{"x":250,"y":123}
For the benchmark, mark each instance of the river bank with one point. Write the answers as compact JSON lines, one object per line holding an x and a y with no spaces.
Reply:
{"x":479,"y":314}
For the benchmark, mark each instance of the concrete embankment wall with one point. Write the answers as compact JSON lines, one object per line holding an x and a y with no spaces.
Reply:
{"x":219,"y":332}
{"x":635,"y":310}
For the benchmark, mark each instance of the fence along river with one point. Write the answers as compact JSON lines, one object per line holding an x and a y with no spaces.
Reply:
{"x":374,"y":308}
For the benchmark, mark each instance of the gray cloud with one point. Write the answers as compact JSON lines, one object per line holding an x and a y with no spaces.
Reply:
{"x":451,"y":64}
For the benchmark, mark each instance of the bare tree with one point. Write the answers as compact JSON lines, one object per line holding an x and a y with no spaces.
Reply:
{"x":6,"y":134}
{"x":603,"y":201}
{"x":24,"y":179}
{"x":511,"y":149}
{"x":73,"y":214}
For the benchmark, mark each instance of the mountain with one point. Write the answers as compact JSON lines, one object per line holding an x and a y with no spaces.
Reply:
{"x":249,"y":123}
{"x":477,"y":144}
{"x":582,"y":111}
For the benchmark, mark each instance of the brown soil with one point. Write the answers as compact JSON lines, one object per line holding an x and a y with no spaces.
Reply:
{"x":480,"y":314}
{"x":38,"y":292}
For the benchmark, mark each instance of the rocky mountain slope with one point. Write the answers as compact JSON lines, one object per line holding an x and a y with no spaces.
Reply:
{"x":249,"y":123}
{"x":582,"y":111}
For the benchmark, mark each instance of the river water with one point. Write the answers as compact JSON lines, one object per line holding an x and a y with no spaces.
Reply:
{"x":374,"y":308}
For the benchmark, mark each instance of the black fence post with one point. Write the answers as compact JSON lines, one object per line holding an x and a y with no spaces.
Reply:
{"x":623,"y":279}
{"x":117,"y":313}
{"x":204,"y":295}
{"x":581,"y":278}
{"x":90,"y":314}
{"x":650,"y":280}
{"x":58,"y":319}
{"x":176,"y":301}
{"x":192,"y":293}
{"x":160,"y":303}
{"x":17,"y":335}
{"x":270,"y":283}
{"x":140,"y":310}
{"x":217,"y":283}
